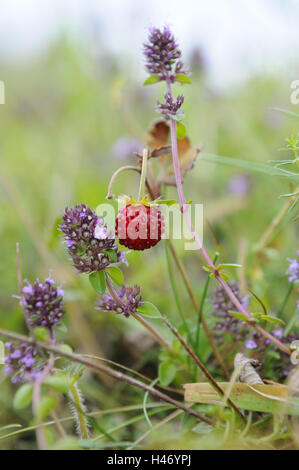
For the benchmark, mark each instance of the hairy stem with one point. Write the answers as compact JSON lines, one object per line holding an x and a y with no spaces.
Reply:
{"x":106,"y":370}
{"x":78,"y":409}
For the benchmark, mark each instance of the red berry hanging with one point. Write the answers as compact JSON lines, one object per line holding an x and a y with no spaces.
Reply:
{"x":139,"y":226}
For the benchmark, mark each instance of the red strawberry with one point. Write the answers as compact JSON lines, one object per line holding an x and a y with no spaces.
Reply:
{"x":139,"y":227}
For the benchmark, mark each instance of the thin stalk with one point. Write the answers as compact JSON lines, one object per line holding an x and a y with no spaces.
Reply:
{"x":285,"y":300}
{"x":175,"y":292}
{"x":200,"y":312}
{"x":143,"y":174}
{"x":106,"y":370}
{"x":202,"y":367}
{"x":138,"y":317}
{"x":177,"y":172}
{"x":40,"y":435}
{"x":198,"y":308}
{"x":79,"y":411}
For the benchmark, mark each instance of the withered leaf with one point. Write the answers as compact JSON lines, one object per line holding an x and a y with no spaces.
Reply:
{"x":158,"y":140}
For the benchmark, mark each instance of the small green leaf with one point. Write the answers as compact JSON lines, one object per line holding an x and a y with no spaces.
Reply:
{"x":116,"y":275}
{"x":183,"y":78}
{"x":112,"y":254}
{"x":59,"y":383}
{"x":98,"y":281}
{"x":46,"y":405}
{"x":23,"y":397}
{"x":229,"y":265}
{"x":167,"y":372}
{"x":41,"y":333}
{"x":271,"y":319}
{"x":167,"y":202}
{"x":66,"y":348}
{"x":2,"y":353}
{"x":151,"y":80}
{"x":180,"y":130}
{"x":238,"y":315}
{"x":150,"y":310}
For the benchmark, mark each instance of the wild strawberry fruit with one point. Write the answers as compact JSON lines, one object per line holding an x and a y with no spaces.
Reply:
{"x":139,"y":226}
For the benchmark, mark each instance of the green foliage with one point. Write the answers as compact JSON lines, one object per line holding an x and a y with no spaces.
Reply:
{"x":167,"y":372}
{"x":98,"y":281}
{"x":149,"y":310}
{"x":23,"y":396}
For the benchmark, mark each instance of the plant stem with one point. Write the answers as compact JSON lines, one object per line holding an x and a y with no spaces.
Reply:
{"x":198,"y":310}
{"x":40,"y":435}
{"x":106,"y":370}
{"x":202,"y":367}
{"x":285,"y":300}
{"x":227,"y":289}
{"x":175,"y":292}
{"x":138,"y":317}
{"x":143,"y":174}
{"x":74,"y":394}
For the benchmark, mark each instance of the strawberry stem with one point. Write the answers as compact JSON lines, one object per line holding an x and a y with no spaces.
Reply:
{"x":143,"y":174}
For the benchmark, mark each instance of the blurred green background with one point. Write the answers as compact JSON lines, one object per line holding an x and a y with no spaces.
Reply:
{"x":63,"y":131}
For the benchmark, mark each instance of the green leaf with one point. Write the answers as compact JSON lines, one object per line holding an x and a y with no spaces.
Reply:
{"x":286,"y":112}
{"x":249,"y":166}
{"x":116,"y":275}
{"x":59,"y":383}
{"x":151,"y":80}
{"x":46,"y":405}
{"x":180,"y":130}
{"x":167,"y":372}
{"x":271,"y":319}
{"x":182,"y":78}
{"x":41,"y":333}
{"x":66,"y":348}
{"x":23,"y":397}
{"x":229,"y":265}
{"x":238,"y":315}
{"x":167,"y":202}
{"x":150,"y":310}
{"x":112,"y":254}
{"x":98,"y":281}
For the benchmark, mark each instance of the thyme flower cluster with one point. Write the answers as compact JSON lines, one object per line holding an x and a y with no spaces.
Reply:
{"x":43,"y":303}
{"x":162,"y":54}
{"x":129,"y":301}
{"x":88,"y":240}
{"x":170,"y":107}
{"x":293,"y":269}
{"x":23,"y":362}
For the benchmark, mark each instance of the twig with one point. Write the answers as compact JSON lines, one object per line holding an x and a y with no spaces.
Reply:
{"x":107,"y":370}
{"x":202,"y":367}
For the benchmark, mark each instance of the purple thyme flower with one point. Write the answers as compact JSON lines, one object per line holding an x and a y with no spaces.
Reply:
{"x":87,"y":239}
{"x":239,"y":185}
{"x":227,"y":323}
{"x":129,"y":297}
{"x":170,"y":107}
{"x":126,"y":147}
{"x":293,"y":269}
{"x":43,"y":303}
{"x":23,"y":362}
{"x":162,"y":54}
{"x":277,"y":360}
